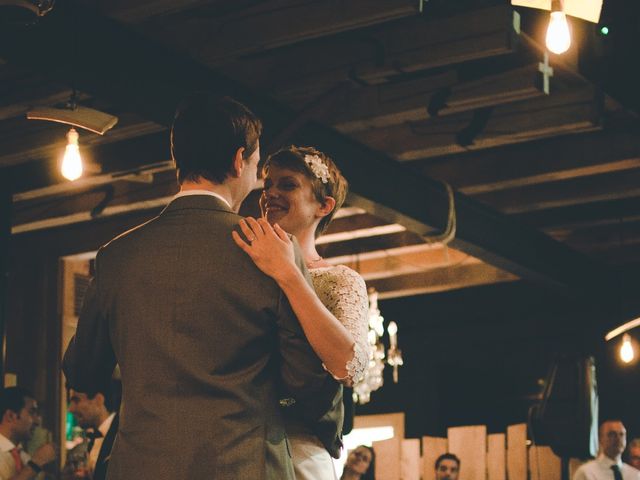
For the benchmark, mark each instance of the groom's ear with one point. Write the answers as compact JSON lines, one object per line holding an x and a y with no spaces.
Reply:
{"x":238,"y":163}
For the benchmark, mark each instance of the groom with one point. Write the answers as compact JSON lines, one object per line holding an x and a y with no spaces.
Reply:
{"x":206,"y":343}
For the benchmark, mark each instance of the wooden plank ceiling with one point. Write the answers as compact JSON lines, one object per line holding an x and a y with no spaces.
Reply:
{"x":453,"y":94}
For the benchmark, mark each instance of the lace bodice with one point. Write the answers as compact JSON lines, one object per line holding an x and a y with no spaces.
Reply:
{"x":343,"y":291}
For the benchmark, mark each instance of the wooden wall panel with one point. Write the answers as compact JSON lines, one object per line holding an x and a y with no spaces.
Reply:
{"x":387,"y":459}
{"x":432,"y":448}
{"x":544,"y":464}
{"x":470,"y":445}
{"x":410,"y":459}
{"x":496,"y":457}
{"x":517,"y":452}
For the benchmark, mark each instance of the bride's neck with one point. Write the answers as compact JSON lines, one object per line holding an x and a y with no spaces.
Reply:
{"x":307,"y":243}
{"x":350,"y":475}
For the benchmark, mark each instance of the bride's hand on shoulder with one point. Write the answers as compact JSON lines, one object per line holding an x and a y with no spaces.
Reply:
{"x":269,"y":247}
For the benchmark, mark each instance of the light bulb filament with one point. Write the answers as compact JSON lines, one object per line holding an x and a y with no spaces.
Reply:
{"x":626,"y":350}
{"x":558,"y":36}
{"x":72,"y":162}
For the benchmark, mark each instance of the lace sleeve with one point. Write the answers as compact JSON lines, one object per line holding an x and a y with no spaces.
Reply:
{"x":344,"y":293}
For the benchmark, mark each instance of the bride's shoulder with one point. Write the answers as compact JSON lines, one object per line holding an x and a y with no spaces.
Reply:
{"x":347,"y":271}
{"x":340,"y":274}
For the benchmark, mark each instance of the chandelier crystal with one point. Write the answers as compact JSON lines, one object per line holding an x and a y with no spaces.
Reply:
{"x":373,"y":377}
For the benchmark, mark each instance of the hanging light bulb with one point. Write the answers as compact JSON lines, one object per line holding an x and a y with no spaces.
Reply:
{"x":72,"y":162}
{"x":558,"y":35}
{"x":626,"y":350}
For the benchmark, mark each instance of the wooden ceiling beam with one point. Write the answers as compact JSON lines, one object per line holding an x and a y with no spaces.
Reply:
{"x":122,"y":193}
{"x":372,"y":56}
{"x":19,"y":103}
{"x":542,"y":161}
{"x":27,"y":140}
{"x":601,"y":236}
{"x":439,"y":280}
{"x":121,"y":66}
{"x":273,"y":24}
{"x":622,"y":255}
{"x":392,"y":262}
{"x":134,"y":12}
{"x":375,"y":242}
{"x":41,"y":178}
{"x":596,"y":188}
{"x":550,"y":116}
{"x":342,"y":222}
{"x":577,"y":216}
{"x":391,"y":104}
{"x":445,"y":41}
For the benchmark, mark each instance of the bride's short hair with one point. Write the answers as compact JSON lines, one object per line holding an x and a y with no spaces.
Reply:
{"x":326,"y":178}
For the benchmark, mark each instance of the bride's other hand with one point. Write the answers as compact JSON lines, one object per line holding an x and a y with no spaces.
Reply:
{"x":269,"y":247}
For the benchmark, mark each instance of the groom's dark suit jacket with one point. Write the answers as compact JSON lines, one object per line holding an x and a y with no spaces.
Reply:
{"x":206,"y":344}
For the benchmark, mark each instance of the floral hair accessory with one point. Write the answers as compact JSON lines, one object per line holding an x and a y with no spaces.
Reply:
{"x":318,"y":167}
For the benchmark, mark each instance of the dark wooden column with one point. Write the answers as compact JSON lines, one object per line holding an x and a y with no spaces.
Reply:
{"x":5,"y":240}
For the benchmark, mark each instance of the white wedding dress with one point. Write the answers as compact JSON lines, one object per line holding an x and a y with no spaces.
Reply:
{"x":343,"y":292}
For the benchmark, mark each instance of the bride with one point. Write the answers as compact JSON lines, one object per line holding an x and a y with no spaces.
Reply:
{"x":303,"y":189}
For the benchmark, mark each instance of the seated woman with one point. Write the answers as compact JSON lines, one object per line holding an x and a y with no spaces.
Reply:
{"x":360,"y":465}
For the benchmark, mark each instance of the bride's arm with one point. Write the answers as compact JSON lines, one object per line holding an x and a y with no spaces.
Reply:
{"x":272,"y":251}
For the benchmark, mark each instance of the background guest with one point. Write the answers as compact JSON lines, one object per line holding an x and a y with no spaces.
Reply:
{"x":634,"y":453}
{"x":360,"y":465}
{"x":96,"y":412}
{"x":447,"y":467}
{"x":608,"y":465}
{"x":18,"y":419}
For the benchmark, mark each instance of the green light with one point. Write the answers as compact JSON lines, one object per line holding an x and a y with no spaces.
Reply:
{"x":604,"y":30}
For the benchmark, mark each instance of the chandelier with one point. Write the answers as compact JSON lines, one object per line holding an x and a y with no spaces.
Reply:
{"x":373,"y":377}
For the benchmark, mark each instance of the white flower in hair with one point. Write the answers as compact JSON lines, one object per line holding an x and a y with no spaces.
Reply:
{"x":318,"y":167}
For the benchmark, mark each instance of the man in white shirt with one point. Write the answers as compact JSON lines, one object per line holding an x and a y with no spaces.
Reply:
{"x":97,"y":413}
{"x":609,"y":465}
{"x":18,"y":418}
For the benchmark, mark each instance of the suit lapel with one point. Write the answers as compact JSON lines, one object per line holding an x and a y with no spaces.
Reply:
{"x":105,"y":450}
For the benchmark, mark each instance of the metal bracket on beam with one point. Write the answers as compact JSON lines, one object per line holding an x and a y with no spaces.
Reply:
{"x":467,"y":135}
{"x":438,"y":101}
{"x":109,"y":191}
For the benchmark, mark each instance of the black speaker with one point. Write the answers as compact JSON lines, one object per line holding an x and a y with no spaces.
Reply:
{"x":566,"y":418}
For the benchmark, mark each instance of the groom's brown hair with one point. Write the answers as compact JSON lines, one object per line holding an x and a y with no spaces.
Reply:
{"x":207,"y":132}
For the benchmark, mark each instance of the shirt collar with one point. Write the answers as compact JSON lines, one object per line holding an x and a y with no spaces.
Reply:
{"x":187,"y":193}
{"x":106,"y":425}
{"x":607,"y":462}
{"x":6,"y":445}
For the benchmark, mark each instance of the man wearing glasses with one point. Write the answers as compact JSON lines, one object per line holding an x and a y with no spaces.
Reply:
{"x":18,"y":419}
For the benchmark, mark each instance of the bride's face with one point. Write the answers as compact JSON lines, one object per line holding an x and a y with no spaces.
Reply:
{"x":288,"y":200}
